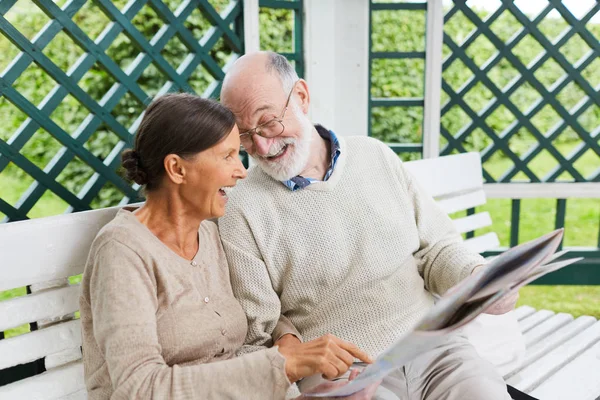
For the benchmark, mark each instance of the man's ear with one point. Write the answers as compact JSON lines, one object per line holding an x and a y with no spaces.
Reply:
{"x":303,"y":94}
{"x":174,"y":168}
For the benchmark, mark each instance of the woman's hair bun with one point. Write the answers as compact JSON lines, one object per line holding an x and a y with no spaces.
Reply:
{"x":130,"y":159}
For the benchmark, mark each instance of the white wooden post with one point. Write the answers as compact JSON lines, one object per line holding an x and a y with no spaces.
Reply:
{"x":336,"y":43}
{"x":433,"y":78}
{"x":251,"y":34}
{"x":251,"y":27}
{"x":319,"y":61}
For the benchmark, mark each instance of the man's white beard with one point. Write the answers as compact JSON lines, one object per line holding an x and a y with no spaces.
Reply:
{"x":293,"y":162}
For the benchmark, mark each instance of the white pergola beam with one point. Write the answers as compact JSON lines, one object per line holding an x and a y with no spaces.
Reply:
{"x":433,"y":78}
{"x":251,"y":26}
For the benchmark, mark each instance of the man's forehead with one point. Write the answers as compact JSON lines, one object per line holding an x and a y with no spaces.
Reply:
{"x":253,"y":85}
{"x":247,"y":100}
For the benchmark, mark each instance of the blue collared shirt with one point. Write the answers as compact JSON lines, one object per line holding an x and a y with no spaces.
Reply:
{"x":300,"y":182}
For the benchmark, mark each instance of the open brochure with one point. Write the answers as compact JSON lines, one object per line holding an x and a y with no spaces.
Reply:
{"x":503,"y":275}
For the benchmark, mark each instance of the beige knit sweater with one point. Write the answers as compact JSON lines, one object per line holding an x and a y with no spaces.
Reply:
{"x":358,"y":256}
{"x":157,"y":326}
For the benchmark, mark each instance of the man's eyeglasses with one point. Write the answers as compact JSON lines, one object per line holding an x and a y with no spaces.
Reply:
{"x":269,"y":129}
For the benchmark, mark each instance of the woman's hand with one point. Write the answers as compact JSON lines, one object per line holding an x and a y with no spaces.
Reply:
{"x":327,"y":355}
{"x":365,"y":394}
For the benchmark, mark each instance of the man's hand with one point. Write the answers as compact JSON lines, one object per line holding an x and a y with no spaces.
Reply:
{"x":327,"y":355}
{"x":506,"y":304}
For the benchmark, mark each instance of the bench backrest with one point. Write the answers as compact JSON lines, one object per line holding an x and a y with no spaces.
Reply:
{"x":44,"y":253}
{"x":456,"y":182}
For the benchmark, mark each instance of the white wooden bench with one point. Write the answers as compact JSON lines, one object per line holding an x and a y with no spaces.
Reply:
{"x":563,"y":354}
{"x":562,"y":359}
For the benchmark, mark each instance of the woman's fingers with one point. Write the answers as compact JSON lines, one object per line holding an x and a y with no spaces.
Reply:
{"x":329,"y":371}
{"x":344,"y":356}
{"x":327,"y":355}
{"x":355,"y":351}
{"x":339,"y":364}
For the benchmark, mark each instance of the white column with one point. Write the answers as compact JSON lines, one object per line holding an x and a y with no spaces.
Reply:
{"x":251,"y":35}
{"x":251,"y":27}
{"x":433,"y":78}
{"x":336,"y":40}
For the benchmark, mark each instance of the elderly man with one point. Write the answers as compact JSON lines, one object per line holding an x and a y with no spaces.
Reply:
{"x":335,"y":234}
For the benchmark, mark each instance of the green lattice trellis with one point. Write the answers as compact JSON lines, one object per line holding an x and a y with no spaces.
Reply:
{"x":226,"y":25}
{"x":511,"y":83}
{"x":503,"y":98}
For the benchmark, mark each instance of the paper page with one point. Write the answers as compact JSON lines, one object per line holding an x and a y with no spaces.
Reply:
{"x":515,"y":263}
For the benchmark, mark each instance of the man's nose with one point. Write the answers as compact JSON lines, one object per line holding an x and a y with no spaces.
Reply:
{"x":262,"y":145}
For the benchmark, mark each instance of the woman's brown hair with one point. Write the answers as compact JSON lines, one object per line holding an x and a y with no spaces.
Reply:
{"x":176,"y":123}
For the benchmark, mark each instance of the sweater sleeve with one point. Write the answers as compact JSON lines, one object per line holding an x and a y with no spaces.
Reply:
{"x":443,"y":259}
{"x":250,"y":281}
{"x":124,"y":308}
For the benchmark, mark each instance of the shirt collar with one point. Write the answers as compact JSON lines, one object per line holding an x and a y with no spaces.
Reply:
{"x":300,"y":182}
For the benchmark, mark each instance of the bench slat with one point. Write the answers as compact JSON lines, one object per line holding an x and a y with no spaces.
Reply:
{"x":553,"y":340}
{"x":64,"y":357}
{"x":80,"y":395}
{"x":472,"y":222}
{"x":582,"y":377}
{"x":539,"y":371}
{"x":462,"y":202}
{"x":38,"y":306}
{"x":523,"y":312}
{"x":61,"y":246}
{"x":482,"y":243}
{"x":447,"y":175}
{"x":35,"y":345}
{"x":56,"y":384}
{"x":547,"y":327}
{"x":534,"y":319}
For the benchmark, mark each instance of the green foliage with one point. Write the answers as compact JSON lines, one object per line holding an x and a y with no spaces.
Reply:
{"x":276,"y":29}
{"x":392,"y":31}
{"x":405,"y":31}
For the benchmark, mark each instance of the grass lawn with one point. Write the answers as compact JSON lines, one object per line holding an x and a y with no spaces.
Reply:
{"x":537,"y":217}
{"x":576,"y":300}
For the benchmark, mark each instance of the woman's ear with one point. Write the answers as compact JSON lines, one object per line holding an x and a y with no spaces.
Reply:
{"x":174,"y":168}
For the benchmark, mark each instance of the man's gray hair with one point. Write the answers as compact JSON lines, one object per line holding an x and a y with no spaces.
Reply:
{"x":287,"y":74}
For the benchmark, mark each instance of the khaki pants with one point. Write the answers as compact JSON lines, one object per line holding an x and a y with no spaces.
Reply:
{"x":451,"y":371}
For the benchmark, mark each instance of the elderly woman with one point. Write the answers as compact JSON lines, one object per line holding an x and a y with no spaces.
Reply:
{"x":158,"y":315}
